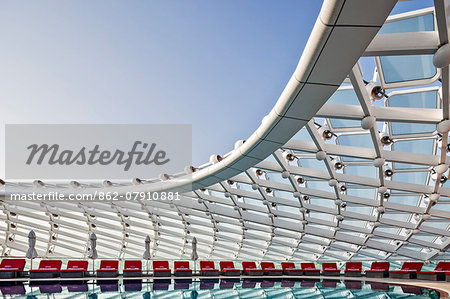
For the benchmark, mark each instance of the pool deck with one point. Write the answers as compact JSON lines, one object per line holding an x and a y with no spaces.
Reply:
{"x":442,"y":286}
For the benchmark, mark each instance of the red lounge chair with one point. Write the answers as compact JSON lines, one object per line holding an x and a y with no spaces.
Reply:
{"x":75,"y":269}
{"x":108,"y":269}
{"x":289,"y":269}
{"x":309,"y":269}
{"x":182,"y":269}
{"x":207,"y":268}
{"x":353,"y":269}
{"x":269,"y":269}
{"x":132,"y":269}
{"x":251,"y":270}
{"x":47,"y":269}
{"x":228,"y":269}
{"x":10,"y":268}
{"x":330,"y":269}
{"x":447,"y":276}
{"x":161,"y":269}
{"x":437,"y":274}
{"x":378,"y":270}
{"x":408,"y":271}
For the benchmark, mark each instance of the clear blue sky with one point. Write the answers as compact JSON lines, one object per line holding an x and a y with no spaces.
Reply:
{"x":218,"y":65}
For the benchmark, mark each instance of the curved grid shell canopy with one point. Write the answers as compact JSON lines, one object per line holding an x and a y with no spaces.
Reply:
{"x":351,"y":163}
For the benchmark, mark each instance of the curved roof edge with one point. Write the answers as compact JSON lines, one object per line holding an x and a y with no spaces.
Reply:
{"x":342,"y":32}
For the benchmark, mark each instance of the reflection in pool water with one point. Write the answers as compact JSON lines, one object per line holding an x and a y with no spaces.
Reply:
{"x":217,"y":288}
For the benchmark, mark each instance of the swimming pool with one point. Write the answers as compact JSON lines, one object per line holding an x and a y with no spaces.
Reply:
{"x":217,"y":288}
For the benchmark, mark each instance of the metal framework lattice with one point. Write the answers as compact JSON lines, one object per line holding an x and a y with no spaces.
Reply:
{"x":350,"y":164}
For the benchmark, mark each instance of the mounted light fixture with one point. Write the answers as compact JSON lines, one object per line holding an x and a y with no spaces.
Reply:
{"x":38,"y":184}
{"x":215,"y":159}
{"x":107,"y":183}
{"x":190,"y":169}
{"x":136,"y":181}
{"x":74,"y":184}
{"x":386,"y":140}
{"x":290,"y":157}
{"x":327,"y":135}
{"x":378,"y":93}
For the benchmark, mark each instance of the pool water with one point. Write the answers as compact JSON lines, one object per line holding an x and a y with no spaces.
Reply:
{"x":216,"y":288}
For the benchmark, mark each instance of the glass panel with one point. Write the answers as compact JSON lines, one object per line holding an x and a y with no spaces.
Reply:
{"x":353,"y":159}
{"x":423,"y":146}
{"x":426,"y":99}
{"x":411,"y":128}
{"x":406,"y":200}
{"x":323,"y":202}
{"x":397,"y":217}
{"x":359,"y":140}
{"x":276,"y":177}
{"x":337,"y":123}
{"x":254,"y":202}
{"x":320,"y":185}
{"x":285,"y":195}
{"x":410,"y":177}
{"x":245,"y":187}
{"x":287,"y":209}
{"x":364,"y":171}
{"x":407,"y":68}
{"x":414,"y":24}
{"x":364,"y":193}
{"x":313,"y":164}
{"x":270,"y":158}
{"x":344,"y":97}
{"x":302,"y":135}
{"x":359,"y":210}
{"x":442,"y":207}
